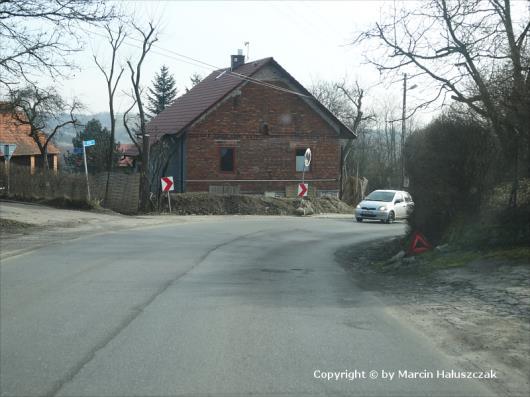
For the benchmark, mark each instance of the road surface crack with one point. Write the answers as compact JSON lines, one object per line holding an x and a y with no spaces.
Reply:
{"x":135,"y":312}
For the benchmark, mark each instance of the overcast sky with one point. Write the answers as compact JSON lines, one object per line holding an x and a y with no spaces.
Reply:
{"x":310,"y":39}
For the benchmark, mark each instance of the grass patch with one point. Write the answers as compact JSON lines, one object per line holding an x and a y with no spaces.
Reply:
{"x":11,"y":223}
{"x":380,"y":257}
{"x":9,"y":226}
{"x":438,"y":261}
{"x":513,"y":254}
{"x":433,"y":261}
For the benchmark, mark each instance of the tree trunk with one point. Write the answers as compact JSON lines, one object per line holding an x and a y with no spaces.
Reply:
{"x":515,"y":183}
{"x":45,"y":163}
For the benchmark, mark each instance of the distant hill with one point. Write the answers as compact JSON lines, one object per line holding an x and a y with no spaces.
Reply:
{"x":64,"y":137}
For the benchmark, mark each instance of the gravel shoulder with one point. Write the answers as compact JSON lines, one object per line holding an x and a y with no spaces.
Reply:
{"x":478,"y":313}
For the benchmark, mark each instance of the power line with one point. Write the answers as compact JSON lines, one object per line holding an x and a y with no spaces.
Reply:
{"x":197,"y":62}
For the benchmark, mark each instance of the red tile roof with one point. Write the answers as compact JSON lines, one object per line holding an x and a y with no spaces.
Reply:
{"x":11,"y":132}
{"x":128,"y":149}
{"x":191,"y":106}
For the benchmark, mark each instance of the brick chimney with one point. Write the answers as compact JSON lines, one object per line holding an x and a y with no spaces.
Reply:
{"x":237,"y":60}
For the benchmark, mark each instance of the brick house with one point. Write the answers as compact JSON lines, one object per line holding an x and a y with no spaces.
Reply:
{"x":27,"y":152}
{"x":247,"y":128}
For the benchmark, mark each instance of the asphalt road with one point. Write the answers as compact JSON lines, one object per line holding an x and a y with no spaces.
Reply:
{"x":230,"y":307}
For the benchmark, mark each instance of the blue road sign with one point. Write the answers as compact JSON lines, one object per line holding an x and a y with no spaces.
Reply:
{"x":89,"y":143}
{"x":8,"y":149}
{"x":78,"y":150}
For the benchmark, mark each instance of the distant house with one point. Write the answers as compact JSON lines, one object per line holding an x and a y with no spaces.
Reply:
{"x":27,"y":152}
{"x":129,"y":155}
{"x":246,"y":128}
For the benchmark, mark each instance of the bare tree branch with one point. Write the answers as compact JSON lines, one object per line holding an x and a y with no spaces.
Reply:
{"x":38,"y":109}
{"x":38,"y":36}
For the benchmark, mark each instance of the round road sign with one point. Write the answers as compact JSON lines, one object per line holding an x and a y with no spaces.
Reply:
{"x":307,"y":157}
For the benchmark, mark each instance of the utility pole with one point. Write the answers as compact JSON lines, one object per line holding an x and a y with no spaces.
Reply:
{"x":404,"y":128}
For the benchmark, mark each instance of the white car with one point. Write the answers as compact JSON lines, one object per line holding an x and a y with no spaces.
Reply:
{"x":385,"y":206}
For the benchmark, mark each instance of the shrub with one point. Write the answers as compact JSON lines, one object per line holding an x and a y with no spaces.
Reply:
{"x":451,"y":165}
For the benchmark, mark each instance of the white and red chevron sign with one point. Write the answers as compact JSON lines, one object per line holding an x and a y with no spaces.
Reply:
{"x":302,"y":189}
{"x":167,"y":183}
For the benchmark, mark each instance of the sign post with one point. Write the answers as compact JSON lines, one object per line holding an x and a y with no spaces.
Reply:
{"x":86,"y":144}
{"x":8,"y":149}
{"x":167,"y":186}
{"x":303,"y":187}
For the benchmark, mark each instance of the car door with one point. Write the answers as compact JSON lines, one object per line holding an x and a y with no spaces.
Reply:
{"x":400,"y":207}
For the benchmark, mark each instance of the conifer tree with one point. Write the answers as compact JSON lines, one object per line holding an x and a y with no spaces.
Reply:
{"x":162,"y":92}
{"x":195,"y":79}
{"x":98,"y":154}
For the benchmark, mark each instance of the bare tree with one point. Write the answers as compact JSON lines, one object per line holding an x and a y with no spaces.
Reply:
{"x":473,"y":50}
{"x":38,"y":36}
{"x":345,"y":101}
{"x":39,"y":110}
{"x":327,"y":93}
{"x":149,"y":37}
{"x":131,"y":131}
{"x":354,"y":95}
{"x":115,"y":39}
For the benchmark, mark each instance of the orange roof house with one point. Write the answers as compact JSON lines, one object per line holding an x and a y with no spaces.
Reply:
{"x":129,"y":155}
{"x":27,"y":152}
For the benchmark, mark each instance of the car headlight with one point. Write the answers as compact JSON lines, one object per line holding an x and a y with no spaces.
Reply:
{"x":358,"y":206}
{"x":383,"y":208}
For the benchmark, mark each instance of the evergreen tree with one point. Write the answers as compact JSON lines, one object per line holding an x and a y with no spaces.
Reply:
{"x":195,"y":79}
{"x":162,"y":93}
{"x":97,"y":155}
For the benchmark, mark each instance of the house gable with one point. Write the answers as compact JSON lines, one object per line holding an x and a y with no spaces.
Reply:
{"x":221,"y":85}
{"x":254,"y":109}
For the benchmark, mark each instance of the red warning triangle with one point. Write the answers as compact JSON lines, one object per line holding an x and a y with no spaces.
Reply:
{"x":419,"y":244}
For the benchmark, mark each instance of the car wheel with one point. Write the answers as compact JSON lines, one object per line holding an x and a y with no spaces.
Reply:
{"x":391,"y":217}
{"x":359,"y":219}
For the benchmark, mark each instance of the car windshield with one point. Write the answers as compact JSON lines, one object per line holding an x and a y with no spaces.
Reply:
{"x":381,"y":196}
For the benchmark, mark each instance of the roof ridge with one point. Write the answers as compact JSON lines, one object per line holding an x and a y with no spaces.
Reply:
{"x":246,"y":63}
{"x":200,"y":98}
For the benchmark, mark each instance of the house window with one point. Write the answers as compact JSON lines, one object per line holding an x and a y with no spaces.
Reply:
{"x":227,"y":156}
{"x":300,"y":166}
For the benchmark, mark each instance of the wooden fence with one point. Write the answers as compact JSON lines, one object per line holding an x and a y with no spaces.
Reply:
{"x":21,"y":184}
{"x":124,"y":191}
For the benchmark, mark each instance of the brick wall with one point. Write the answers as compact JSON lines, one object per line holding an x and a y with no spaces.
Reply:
{"x":265,"y":127}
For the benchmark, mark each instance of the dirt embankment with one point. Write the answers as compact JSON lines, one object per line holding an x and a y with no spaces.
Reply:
{"x":209,"y":204}
{"x":473,"y":306}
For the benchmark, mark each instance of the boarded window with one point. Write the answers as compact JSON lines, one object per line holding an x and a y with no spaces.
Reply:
{"x":227,"y":159}
{"x":300,"y":161}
